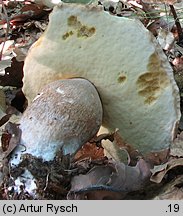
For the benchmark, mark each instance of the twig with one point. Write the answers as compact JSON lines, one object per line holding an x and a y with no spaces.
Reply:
{"x":167,"y":17}
{"x":149,"y":9}
{"x":47,"y":179}
{"x":177,"y":23}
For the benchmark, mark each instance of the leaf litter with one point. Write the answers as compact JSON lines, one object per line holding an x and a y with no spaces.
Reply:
{"x":90,"y":175}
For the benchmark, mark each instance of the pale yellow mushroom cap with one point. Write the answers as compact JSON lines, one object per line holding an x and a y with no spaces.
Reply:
{"x":122,"y":59}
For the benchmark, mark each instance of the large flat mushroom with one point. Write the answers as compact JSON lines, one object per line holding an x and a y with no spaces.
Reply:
{"x":124,"y":62}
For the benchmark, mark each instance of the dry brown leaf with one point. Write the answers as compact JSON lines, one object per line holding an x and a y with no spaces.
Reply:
{"x":133,"y":154}
{"x":1,"y":166}
{"x":166,"y":39}
{"x":13,"y":75}
{"x":176,"y":148}
{"x":6,"y":49}
{"x":171,"y":191}
{"x":89,"y":150}
{"x":178,"y":63}
{"x":96,"y":195}
{"x":115,"y":177}
{"x":15,"y":132}
{"x":154,"y":158}
{"x":2,"y":103}
{"x":4,"y":119}
{"x":170,"y":2}
{"x":28,"y":12}
{"x":159,"y":172}
{"x":36,"y":11}
{"x":125,"y":150}
{"x":157,"y":158}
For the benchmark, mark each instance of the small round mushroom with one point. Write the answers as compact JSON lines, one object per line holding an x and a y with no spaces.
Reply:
{"x":124,"y":62}
{"x":65,"y":115}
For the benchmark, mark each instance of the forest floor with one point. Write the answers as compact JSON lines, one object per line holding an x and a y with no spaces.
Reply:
{"x":21,"y":24}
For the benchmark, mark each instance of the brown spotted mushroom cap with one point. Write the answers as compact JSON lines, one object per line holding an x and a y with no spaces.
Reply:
{"x":124,"y":62}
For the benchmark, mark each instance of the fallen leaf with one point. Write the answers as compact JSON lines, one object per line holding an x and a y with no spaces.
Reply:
{"x":3,"y":65}
{"x":13,"y":75}
{"x":96,"y":195}
{"x":5,"y":140}
{"x":157,"y":158}
{"x":89,"y":150}
{"x":176,"y":149}
{"x":171,"y":191}
{"x":1,"y":165}
{"x":116,"y":148}
{"x":28,"y":12}
{"x":178,"y":63}
{"x":132,"y":153}
{"x":166,"y":39}
{"x":159,"y":172}
{"x":114,"y":177}
{"x":2,"y":102}
{"x":4,"y":119}
{"x":15,"y":132}
{"x":171,"y":2}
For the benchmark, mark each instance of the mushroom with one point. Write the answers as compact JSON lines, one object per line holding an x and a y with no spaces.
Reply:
{"x":65,"y":115}
{"x":62,"y":118}
{"x":124,"y":62}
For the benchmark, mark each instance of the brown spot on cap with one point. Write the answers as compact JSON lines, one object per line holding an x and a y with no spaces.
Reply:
{"x":81,"y":29}
{"x":122,"y":78}
{"x":152,"y":83}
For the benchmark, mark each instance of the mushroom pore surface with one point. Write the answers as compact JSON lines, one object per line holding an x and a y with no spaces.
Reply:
{"x":122,"y":59}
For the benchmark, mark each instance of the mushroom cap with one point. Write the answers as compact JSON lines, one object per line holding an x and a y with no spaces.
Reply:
{"x":65,"y":115}
{"x":122,"y":59}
